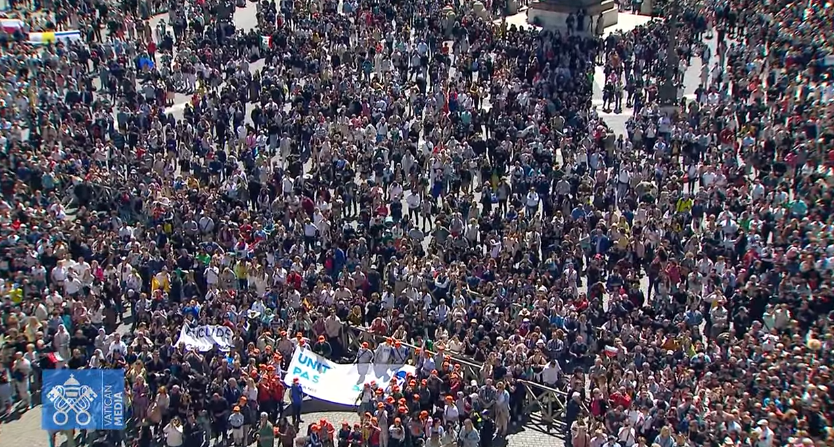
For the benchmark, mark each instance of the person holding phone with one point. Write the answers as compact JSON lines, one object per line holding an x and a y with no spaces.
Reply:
{"x":174,"y":433}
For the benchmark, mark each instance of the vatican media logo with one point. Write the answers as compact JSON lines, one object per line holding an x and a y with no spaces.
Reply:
{"x":83,"y":399}
{"x":72,"y":397}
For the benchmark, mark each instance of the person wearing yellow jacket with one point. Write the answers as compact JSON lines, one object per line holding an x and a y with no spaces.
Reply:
{"x":684,"y":204}
{"x":161,"y":280}
{"x":241,"y":270}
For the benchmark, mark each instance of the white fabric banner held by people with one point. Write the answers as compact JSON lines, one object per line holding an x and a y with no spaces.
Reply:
{"x":203,"y":338}
{"x":340,"y":384}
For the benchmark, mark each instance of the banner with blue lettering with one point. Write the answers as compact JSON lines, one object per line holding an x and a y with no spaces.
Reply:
{"x":322,"y":379}
{"x":204,"y":338}
{"x":91,"y":399}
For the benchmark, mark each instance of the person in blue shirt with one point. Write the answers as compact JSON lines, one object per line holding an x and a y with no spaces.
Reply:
{"x":192,"y":309}
{"x":339,"y":261}
{"x":232,"y":391}
{"x":799,"y":208}
{"x":600,"y":243}
{"x":315,"y":438}
{"x":296,"y":398}
{"x":694,"y":318}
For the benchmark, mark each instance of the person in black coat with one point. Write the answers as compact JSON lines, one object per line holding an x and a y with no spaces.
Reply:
{"x":250,"y":418}
{"x":322,"y":347}
{"x":195,"y":435}
{"x":487,"y":429}
{"x":219,"y":410}
{"x":572,"y":412}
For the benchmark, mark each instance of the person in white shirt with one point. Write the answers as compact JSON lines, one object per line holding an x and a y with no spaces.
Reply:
{"x":720,"y":319}
{"x":212,"y":275}
{"x":310,"y":231}
{"x":117,"y":345}
{"x":72,"y":285}
{"x":388,"y":300}
{"x":428,"y":301}
{"x":258,"y":306}
{"x":287,"y":186}
{"x":318,"y":217}
{"x":623,"y":181}
{"x":705,"y":266}
{"x":38,"y":272}
{"x":134,"y":281}
{"x":174,"y":433}
{"x":450,"y":411}
{"x":502,"y":410}
{"x":83,"y":270}
{"x":279,"y":277}
{"x":766,"y":435}
{"x":21,"y":370}
{"x":495,"y":249}
{"x":627,"y":436}
{"x":295,"y":299}
{"x":97,"y":314}
{"x":42,"y":312}
{"x":206,"y":225}
{"x":59,"y":273}
{"x":395,"y":192}
{"x":382,"y":355}
{"x":532,"y":203}
{"x":708,"y":178}
{"x":551,"y":373}
{"x":413,"y":201}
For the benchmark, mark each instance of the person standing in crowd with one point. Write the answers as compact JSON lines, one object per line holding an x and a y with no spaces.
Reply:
{"x":469,"y":435}
{"x":266,"y":431}
{"x":488,"y":429}
{"x":174,"y":433}
{"x":237,"y":422}
{"x":286,"y":432}
{"x":296,"y":400}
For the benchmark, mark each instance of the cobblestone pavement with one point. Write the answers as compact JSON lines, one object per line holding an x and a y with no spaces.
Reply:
{"x":26,"y":430}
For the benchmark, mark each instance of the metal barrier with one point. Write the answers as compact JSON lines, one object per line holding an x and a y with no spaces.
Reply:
{"x":543,"y":405}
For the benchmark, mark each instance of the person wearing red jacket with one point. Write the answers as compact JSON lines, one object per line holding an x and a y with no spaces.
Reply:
{"x":294,"y":280}
{"x":372,"y":432}
{"x":277,"y":391}
{"x":265,"y":397}
{"x":152,"y":50}
{"x":455,"y":384}
{"x":327,"y":432}
{"x":621,"y":398}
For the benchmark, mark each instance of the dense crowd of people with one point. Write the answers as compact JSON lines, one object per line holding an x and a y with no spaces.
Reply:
{"x":443,"y":181}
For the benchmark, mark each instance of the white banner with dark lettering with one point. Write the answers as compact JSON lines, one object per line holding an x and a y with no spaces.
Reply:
{"x":340,"y":384}
{"x":204,"y":338}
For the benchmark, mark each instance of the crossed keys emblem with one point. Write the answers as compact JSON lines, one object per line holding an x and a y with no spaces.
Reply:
{"x":71,"y":397}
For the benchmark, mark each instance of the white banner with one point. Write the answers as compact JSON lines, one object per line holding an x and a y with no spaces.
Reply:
{"x":60,"y":36}
{"x":11,"y":25}
{"x":340,"y":384}
{"x":203,"y":338}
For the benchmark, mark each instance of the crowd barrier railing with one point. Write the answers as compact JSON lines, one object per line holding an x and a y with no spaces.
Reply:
{"x":543,"y":404}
